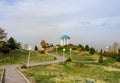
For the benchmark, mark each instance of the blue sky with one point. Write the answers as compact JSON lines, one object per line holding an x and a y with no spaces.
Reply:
{"x":93,"y":22}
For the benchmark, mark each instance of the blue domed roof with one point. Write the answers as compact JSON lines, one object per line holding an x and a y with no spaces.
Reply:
{"x":65,"y":37}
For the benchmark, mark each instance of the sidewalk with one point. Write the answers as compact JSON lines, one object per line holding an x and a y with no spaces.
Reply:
{"x":13,"y":76}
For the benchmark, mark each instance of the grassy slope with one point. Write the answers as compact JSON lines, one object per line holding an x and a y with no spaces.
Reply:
{"x":83,"y":56}
{"x":20,"y":57}
{"x":72,"y":72}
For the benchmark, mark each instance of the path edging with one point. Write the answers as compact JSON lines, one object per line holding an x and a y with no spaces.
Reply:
{"x":28,"y":81}
{"x":2,"y":76}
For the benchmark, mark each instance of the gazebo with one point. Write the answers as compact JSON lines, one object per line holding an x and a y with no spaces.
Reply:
{"x":64,"y":40}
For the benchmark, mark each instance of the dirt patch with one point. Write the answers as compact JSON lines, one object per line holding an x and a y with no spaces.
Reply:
{"x":116,"y":64}
{"x":111,"y":69}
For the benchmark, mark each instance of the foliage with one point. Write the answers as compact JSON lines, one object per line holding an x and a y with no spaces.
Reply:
{"x":44,"y":44}
{"x":36,"y":48}
{"x":101,"y":56}
{"x":86,"y":48}
{"x":69,"y":60}
{"x":2,"y":34}
{"x":92,"y":50}
{"x":110,"y":54}
{"x":108,"y":62}
{"x":81,"y":47}
{"x":4,"y":47}
{"x":42,"y":51}
{"x":118,"y":56}
{"x":12,"y":44}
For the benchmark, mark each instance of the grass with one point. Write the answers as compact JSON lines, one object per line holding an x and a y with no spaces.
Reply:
{"x":75,"y":72}
{"x":20,"y":57}
{"x":71,"y":73}
{"x":83,"y":56}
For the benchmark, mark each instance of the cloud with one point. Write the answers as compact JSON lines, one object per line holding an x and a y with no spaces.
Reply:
{"x":32,"y":20}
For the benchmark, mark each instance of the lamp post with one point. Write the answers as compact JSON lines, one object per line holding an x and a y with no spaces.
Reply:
{"x":28,"y":61}
{"x":56,"y":49}
{"x":70,"y":52}
{"x":63,"y":54}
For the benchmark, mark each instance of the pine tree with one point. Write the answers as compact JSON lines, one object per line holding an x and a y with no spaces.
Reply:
{"x":36,"y":48}
{"x":118,"y":56}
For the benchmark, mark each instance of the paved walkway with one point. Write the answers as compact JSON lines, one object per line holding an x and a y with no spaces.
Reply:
{"x":13,"y":76}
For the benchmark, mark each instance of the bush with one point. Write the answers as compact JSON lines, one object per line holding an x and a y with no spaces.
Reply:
{"x":110,"y":54}
{"x":5,"y":49}
{"x":118,"y":56}
{"x":69,"y":60}
{"x":92,"y":51}
{"x":42,"y":51}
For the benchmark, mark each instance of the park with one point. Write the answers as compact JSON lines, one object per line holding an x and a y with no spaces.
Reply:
{"x":64,"y":63}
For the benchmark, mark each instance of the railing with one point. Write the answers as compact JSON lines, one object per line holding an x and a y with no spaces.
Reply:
{"x":2,"y":80}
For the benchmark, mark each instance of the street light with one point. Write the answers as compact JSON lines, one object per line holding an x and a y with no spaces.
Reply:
{"x":28,"y":61}
{"x":56,"y":49}
{"x":63,"y":54}
{"x":70,"y":52}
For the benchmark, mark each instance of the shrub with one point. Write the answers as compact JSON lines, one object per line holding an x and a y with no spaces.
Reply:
{"x":92,"y":51}
{"x":118,"y":56}
{"x":101,"y":57}
{"x":42,"y":51}
{"x":110,"y":54}
{"x":69,"y":60}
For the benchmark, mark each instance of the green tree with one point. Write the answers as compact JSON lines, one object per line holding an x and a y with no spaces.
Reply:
{"x":118,"y":56}
{"x":4,"y":47}
{"x":36,"y":48}
{"x":101,"y":56}
{"x":81,"y":46}
{"x":91,"y":50}
{"x":86,"y":48}
{"x":2,"y":34}
{"x":12,"y":43}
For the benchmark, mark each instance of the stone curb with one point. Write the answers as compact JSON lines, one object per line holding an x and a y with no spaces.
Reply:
{"x":23,"y":76}
{"x":2,"y":76}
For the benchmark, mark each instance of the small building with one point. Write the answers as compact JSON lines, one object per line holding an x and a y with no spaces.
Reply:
{"x":64,"y":40}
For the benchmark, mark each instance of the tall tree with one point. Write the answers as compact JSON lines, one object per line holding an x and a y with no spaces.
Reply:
{"x":101,"y":56}
{"x":118,"y":56}
{"x":12,"y":43}
{"x":92,"y":50}
{"x":86,"y":48}
{"x":81,"y":47}
{"x":36,"y":48}
{"x":2,"y":34}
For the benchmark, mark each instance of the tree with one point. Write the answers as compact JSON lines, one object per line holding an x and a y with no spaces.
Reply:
{"x":36,"y":48}
{"x":101,"y":56}
{"x":118,"y":56}
{"x":2,"y":34}
{"x":81,"y":46}
{"x":4,"y":47}
{"x":12,"y":43}
{"x":86,"y":48}
{"x":43,"y":43}
{"x":92,"y":50}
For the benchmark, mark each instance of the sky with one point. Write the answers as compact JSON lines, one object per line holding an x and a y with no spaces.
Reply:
{"x":92,"y":22}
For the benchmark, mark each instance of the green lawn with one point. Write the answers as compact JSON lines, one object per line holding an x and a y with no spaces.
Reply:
{"x":83,"y":56}
{"x":20,"y":57}
{"x":73,"y":73}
